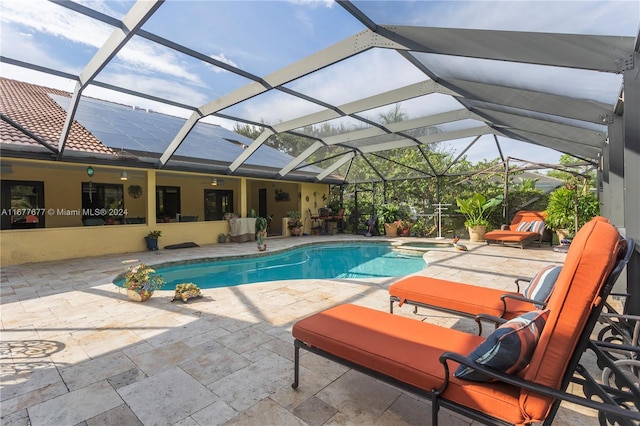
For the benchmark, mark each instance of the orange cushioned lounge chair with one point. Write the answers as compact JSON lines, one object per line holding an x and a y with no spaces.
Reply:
{"x":478,"y":302}
{"x":526,"y":227}
{"x":421,"y":357}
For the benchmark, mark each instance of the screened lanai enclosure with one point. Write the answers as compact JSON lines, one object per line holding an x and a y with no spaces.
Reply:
{"x":385,"y":78}
{"x":357,"y":93}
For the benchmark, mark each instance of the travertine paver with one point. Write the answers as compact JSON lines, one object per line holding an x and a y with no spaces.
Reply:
{"x":167,"y":397}
{"x":75,"y":349}
{"x":75,"y":406}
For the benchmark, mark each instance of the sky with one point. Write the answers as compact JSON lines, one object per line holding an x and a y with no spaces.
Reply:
{"x":262,"y":37}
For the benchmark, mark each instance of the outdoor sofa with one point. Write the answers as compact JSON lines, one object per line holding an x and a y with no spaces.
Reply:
{"x":526,"y":227}
{"x":421,"y":357}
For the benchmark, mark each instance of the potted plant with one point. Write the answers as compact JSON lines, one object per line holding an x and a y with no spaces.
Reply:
{"x":389,"y":214}
{"x":561,"y":212}
{"x":403,"y":227}
{"x":152,"y":240}
{"x":261,"y":233}
{"x":294,"y":223}
{"x":567,"y":211}
{"x":476,"y":210}
{"x":141,"y":281}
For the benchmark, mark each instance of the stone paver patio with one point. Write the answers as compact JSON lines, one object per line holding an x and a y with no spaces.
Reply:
{"x":76,"y":350}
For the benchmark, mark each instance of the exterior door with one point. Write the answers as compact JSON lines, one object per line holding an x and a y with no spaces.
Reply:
{"x":217,"y":202}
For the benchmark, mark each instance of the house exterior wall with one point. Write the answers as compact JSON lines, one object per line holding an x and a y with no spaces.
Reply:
{"x":65,"y":237}
{"x":63,"y":188}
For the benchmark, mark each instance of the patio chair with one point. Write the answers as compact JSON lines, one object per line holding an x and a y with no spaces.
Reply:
{"x":619,"y":326}
{"x":339,"y":219}
{"x":467,"y":300}
{"x":324,"y":216}
{"x":525,"y":228}
{"x":521,"y":386}
{"x":316,"y":226}
{"x":619,"y":339}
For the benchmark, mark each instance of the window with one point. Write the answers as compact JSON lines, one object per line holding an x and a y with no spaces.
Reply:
{"x":22,"y":204}
{"x":217,"y":202}
{"x":167,"y":202}
{"x":102,"y":200}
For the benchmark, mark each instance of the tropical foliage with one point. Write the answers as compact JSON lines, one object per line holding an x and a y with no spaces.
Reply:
{"x":575,"y":204}
{"x":294,"y":219}
{"x":261,"y":231}
{"x":569,"y":208}
{"x":476,"y":209}
{"x":154,"y":234}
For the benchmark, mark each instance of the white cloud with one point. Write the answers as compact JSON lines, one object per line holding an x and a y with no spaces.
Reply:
{"x":146,"y":57}
{"x":314,"y":3}
{"x":24,"y":46}
{"x":220,"y":57}
{"x":48,"y":19}
{"x":156,"y":86}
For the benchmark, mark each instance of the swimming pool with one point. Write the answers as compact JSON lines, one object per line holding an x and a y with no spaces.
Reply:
{"x":316,"y":261}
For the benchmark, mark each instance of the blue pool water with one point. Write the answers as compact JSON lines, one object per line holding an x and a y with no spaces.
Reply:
{"x":364,"y":260}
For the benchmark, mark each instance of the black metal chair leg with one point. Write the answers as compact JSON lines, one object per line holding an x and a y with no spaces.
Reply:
{"x":296,"y":366}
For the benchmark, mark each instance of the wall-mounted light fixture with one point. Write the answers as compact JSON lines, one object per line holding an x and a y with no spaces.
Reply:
{"x":123,"y":175}
{"x":214,"y":182}
{"x":90,"y":171}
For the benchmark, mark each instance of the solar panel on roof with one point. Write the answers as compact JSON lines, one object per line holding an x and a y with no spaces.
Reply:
{"x":120,"y":126}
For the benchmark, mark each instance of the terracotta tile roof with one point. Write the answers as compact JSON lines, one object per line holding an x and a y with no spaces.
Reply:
{"x":29,"y":106}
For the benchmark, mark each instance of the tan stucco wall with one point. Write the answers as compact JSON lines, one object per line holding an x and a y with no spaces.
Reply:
{"x":314,"y":202}
{"x":65,"y":237}
{"x":298,"y":193}
{"x":38,"y":245}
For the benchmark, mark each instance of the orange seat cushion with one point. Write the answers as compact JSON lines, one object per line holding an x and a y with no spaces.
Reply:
{"x":407,"y":350}
{"x":589,"y":262}
{"x":510,"y":236}
{"x":464,"y":298}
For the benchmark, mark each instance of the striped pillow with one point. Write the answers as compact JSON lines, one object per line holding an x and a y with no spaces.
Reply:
{"x":541,"y":285}
{"x":523,"y":226}
{"x":537,"y":226}
{"x":508,"y":349}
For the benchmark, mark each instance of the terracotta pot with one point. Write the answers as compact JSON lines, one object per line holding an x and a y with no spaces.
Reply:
{"x":139,"y":296}
{"x":562,"y":235}
{"x":390,"y":229}
{"x":476,"y":233}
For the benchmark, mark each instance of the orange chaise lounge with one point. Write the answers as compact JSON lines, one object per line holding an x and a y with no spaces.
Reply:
{"x":421,"y":357}
{"x":478,"y":301}
{"x":526,"y":227}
